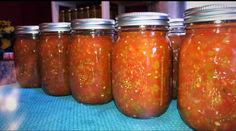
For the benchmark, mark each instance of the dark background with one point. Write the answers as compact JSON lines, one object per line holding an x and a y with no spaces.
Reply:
{"x":26,"y":13}
{"x":34,"y":13}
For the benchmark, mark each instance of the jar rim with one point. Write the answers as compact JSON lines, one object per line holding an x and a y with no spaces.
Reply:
{"x":54,"y":27}
{"x":176,"y":22}
{"x":213,"y":12}
{"x":92,"y":23}
{"x":142,"y":18}
{"x":27,"y":29}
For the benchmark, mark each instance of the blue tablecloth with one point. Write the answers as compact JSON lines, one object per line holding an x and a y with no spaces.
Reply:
{"x":32,"y":109}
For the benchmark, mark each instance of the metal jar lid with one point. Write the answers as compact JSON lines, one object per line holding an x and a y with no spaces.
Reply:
{"x":55,"y":27}
{"x":31,"y":29}
{"x":142,"y":18}
{"x":215,"y":12}
{"x":93,"y":23}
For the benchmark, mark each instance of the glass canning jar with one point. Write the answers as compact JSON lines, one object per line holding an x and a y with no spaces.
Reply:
{"x":90,"y":60}
{"x":176,"y":35}
{"x":74,"y":14}
{"x":141,"y":62}
{"x":207,"y":68}
{"x":26,"y":56}
{"x":54,"y":40}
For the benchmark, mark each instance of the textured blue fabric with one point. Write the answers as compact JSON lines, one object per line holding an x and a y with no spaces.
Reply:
{"x":38,"y":111}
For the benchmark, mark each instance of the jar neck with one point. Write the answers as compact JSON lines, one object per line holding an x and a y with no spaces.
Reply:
{"x":142,"y":28}
{"x":178,"y":29}
{"x":176,"y":33}
{"x":29,"y":36}
{"x":55,"y":33}
{"x":211,"y":27}
{"x":94,"y":32}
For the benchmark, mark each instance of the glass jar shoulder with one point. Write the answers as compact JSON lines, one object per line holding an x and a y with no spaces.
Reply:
{"x":26,"y":38}
{"x":54,"y":34}
{"x":176,"y":39}
{"x":54,"y":37}
{"x":211,"y":28}
{"x":142,"y":38}
{"x":25,"y":43}
{"x":207,"y":39}
{"x":91,"y":39}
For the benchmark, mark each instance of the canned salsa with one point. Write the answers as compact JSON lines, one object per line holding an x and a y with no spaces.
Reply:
{"x":176,"y":35}
{"x":90,"y":60}
{"x":141,"y":65}
{"x":26,"y":56}
{"x":207,"y":90}
{"x":54,"y":40}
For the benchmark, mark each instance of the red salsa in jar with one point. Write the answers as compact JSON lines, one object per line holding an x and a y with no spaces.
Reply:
{"x":54,"y":40}
{"x":90,"y":60}
{"x":26,"y":56}
{"x":207,"y":79}
{"x":176,"y":35}
{"x":141,"y":65}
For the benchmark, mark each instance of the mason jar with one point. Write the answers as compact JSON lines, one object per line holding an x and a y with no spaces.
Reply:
{"x":81,"y":13}
{"x":62,"y":16}
{"x":54,"y":40}
{"x":176,"y":35}
{"x":141,"y":62}
{"x":207,"y":68}
{"x":26,"y":56}
{"x":74,"y":14}
{"x":93,"y":12}
{"x":68,"y":16}
{"x":90,"y":60}
{"x":86,"y":12}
